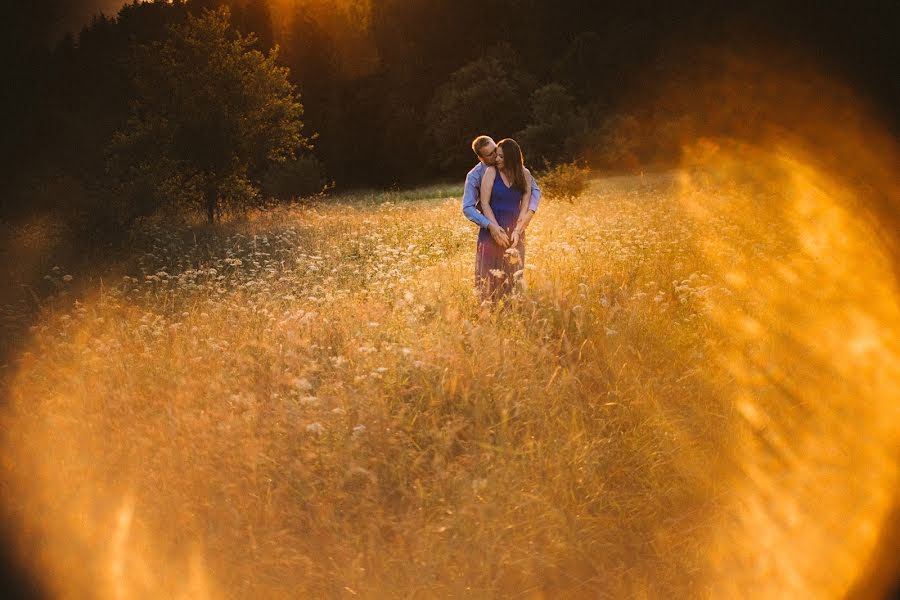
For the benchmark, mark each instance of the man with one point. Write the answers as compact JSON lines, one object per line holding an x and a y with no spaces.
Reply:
{"x":486,"y":151}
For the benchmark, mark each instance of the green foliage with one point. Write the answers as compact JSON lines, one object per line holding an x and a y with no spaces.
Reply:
{"x":583,"y":64}
{"x":619,"y":142}
{"x":554,"y":133}
{"x":564,"y":181}
{"x":296,"y":178}
{"x":485,"y":96}
{"x":211,"y":114}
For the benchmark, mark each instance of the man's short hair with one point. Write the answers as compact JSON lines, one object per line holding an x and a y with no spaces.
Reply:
{"x":480,"y":142}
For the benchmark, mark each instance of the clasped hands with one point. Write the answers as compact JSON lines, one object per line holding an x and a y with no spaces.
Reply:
{"x":500,"y":236}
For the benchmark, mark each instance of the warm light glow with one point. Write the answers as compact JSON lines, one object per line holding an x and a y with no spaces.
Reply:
{"x":696,"y":397}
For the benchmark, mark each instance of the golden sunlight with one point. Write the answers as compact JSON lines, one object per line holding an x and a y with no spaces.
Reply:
{"x":697,"y":394}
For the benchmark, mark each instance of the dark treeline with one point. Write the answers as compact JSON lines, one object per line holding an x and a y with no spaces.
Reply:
{"x":394,"y":89}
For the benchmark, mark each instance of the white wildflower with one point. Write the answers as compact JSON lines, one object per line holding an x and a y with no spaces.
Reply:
{"x":302,"y":384}
{"x":512,"y":255}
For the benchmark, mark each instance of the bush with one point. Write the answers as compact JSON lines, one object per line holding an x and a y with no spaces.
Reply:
{"x":564,"y":181}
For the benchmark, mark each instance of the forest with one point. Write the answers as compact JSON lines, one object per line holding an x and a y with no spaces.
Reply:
{"x":392,"y":91}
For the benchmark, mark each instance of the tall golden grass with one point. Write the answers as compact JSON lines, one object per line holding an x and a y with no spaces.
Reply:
{"x":691,"y":398}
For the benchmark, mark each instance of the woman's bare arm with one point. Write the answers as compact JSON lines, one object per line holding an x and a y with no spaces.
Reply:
{"x":526,"y":197}
{"x":497,"y":232}
{"x":525,"y":212}
{"x":487,"y":182}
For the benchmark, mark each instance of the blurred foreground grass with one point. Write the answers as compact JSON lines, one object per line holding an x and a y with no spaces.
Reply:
{"x":312,"y":403}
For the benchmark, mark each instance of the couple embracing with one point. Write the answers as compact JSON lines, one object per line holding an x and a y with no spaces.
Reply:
{"x":500,"y":196}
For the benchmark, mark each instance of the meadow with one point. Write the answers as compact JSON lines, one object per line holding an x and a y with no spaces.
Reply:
{"x":311,"y":402}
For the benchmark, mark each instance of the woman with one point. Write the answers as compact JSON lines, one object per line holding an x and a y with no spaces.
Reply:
{"x":505,"y":197}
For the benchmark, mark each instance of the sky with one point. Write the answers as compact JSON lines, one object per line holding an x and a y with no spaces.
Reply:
{"x":78,"y":13}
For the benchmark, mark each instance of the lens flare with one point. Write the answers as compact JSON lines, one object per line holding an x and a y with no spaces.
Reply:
{"x":308,"y":417}
{"x":808,"y":336}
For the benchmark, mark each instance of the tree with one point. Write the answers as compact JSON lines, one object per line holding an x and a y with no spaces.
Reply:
{"x":211,"y":114}
{"x":488,"y":95}
{"x":553,"y":136}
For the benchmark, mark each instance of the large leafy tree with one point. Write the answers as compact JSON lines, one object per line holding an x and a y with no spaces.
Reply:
{"x":556,"y":128}
{"x":211,"y":114}
{"x":489,"y":95}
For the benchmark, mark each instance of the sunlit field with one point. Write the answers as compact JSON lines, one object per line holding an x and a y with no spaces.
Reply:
{"x":694,"y":396}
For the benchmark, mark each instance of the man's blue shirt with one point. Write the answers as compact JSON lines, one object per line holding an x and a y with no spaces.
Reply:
{"x":472,"y":192}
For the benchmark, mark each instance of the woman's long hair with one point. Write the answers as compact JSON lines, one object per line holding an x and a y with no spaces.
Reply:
{"x":514,"y":164}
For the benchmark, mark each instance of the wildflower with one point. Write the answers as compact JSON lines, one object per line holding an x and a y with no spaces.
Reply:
{"x":358,"y":431}
{"x":315,"y":428}
{"x":67,"y":278}
{"x":498,"y":273}
{"x":604,"y":301}
{"x":302,"y":384}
